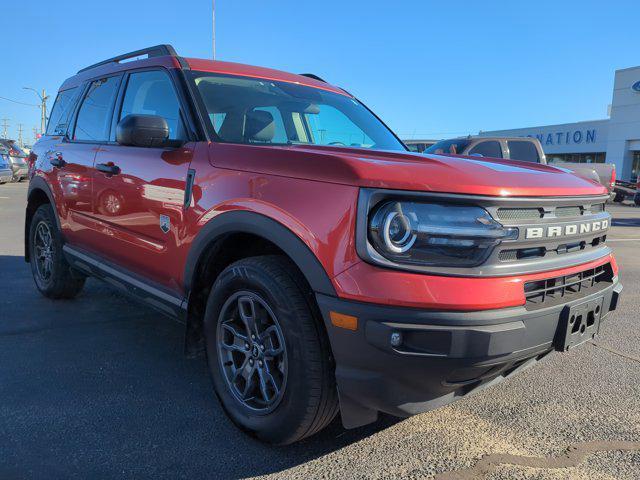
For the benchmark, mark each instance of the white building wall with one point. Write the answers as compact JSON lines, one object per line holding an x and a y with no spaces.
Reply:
{"x":581,"y":137}
{"x":624,"y":124}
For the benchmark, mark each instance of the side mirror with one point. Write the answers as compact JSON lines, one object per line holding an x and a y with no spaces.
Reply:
{"x":139,"y":130}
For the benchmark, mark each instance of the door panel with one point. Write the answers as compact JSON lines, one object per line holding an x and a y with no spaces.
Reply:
{"x":71,"y":172}
{"x":139,"y":210}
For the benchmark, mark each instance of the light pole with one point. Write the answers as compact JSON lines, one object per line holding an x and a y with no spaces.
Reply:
{"x":43,"y":107}
{"x":213,"y":27}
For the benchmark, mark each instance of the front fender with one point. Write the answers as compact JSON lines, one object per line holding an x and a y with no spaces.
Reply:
{"x":37,"y":183}
{"x":243,"y":221}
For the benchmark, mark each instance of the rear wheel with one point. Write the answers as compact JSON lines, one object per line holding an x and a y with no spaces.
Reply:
{"x":619,"y":197}
{"x":51,"y":272}
{"x":268,"y":353}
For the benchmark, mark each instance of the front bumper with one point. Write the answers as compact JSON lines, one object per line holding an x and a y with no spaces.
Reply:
{"x":443,"y":355}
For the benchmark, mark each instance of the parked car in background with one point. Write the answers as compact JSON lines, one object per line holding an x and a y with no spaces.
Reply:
{"x":6,"y":174}
{"x":418,"y":145}
{"x":525,"y":149}
{"x":17,"y":159}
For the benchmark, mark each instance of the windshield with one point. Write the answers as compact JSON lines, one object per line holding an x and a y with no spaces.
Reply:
{"x":267,"y":112}
{"x":444,"y":147}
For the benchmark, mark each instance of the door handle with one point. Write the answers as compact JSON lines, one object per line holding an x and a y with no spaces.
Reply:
{"x":57,"y":160}
{"x":108,"y":168}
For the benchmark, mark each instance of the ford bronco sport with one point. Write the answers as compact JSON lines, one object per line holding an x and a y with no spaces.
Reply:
{"x":319,"y":265}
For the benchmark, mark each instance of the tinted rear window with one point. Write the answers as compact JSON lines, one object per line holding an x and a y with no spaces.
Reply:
{"x":62,"y":108}
{"x":523,"y":150}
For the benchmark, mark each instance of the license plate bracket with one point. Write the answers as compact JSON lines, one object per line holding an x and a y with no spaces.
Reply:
{"x":579,"y":323}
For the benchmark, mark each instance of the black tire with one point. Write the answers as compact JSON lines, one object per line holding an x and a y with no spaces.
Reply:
{"x":55,"y":278}
{"x":636,"y":199}
{"x":308,"y":401}
{"x":619,"y":197}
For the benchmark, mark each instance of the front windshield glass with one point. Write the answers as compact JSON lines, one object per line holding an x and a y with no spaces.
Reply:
{"x":268,"y":112}
{"x":444,"y":147}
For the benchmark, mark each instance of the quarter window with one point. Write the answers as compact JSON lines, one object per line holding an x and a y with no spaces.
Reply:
{"x":152,"y":93}
{"x":62,"y":108}
{"x":487,"y":149}
{"x":94,"y":117}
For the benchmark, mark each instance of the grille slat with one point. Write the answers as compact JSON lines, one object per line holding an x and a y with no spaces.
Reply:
{"x":564,"y":212}
{"x":550,"y":291}
{"x":520,"y":213}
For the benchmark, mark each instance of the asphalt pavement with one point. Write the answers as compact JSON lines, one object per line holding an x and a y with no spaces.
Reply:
{"x":98,"y":387}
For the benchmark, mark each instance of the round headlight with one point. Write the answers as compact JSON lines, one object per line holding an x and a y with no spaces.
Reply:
{"x":397,"y":232}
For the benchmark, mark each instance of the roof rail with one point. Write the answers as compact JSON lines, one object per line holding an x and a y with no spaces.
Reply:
{"x":155,"y":51}
{"x":315,"y":77}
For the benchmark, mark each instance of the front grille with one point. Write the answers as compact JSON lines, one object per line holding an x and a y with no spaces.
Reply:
{"x":511,"y":255}
{"x":557,"y":290}
{"x":564,"y":212}
{"x":515,"y":214}
{"x":520,"y":213}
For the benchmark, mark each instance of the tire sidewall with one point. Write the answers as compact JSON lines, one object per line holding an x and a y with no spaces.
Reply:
{"x":44,"y":214}
{"x":292,"y":407}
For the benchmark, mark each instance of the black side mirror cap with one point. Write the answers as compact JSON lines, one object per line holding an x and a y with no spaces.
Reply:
{"x":138,"y":130}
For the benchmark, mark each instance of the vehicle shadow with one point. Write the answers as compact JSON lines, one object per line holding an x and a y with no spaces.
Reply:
{"x":100,"y":387}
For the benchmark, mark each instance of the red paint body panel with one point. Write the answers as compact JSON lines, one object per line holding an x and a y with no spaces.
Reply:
{"x":230,"y":68}
{"x":367,"y":283}
{"x":405,"y":171}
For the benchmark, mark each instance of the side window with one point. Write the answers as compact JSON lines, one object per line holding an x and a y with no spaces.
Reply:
{"x":332,"y":127}
{"x":521,"y":150}
{"x":487,"y":149}
{"x":94,"y":116}
{"x":62,"y":108}
{"x":152,"y":93}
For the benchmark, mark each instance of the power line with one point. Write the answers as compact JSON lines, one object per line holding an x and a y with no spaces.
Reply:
{"x":20,"y":103}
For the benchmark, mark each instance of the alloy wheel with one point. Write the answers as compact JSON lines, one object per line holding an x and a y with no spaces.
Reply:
{"x":43,"y":248}
{"x":252,"y":352}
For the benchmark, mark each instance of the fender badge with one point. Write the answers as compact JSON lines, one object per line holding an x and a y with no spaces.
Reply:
{"x":165,"y":223}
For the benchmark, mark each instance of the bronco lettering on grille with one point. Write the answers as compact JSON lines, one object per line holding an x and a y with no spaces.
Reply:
{"x":566,"y":230}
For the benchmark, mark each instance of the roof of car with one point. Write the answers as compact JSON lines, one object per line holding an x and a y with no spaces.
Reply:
{"x":165,"y":56}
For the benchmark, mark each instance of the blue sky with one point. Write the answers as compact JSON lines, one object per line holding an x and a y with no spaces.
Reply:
{"x":429,"y":69}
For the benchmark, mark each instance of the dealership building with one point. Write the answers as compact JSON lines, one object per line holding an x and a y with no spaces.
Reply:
{"x":613,"y":140}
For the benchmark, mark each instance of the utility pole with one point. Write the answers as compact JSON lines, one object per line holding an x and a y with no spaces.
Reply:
{"x":20,"y":135}
{"x":213,"y":27}
{"x":43,"y":107}
{"x":35,"y":134}
{"x":5,"y":126}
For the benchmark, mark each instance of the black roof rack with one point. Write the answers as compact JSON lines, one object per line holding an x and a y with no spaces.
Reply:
{"x":315,"y":77}
{"x":155,"y":51}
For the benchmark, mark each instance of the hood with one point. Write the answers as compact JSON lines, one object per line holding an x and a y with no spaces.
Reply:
{"x":405,"y":170}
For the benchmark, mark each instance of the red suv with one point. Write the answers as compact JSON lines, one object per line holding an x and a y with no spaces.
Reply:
{"x":320,"y":265}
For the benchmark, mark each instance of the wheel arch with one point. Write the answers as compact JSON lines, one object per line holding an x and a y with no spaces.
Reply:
{"x":258,"y":235}
{"x":39,"y":193}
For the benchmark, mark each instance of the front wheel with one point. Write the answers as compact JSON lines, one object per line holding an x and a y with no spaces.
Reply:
{"x":268,"y":352}
{"x":51,"y":272}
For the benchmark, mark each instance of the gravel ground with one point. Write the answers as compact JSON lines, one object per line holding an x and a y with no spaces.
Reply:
{"x":99,"y":388}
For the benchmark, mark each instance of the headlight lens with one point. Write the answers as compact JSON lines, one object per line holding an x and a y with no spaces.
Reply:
{"x":431,"y":234}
